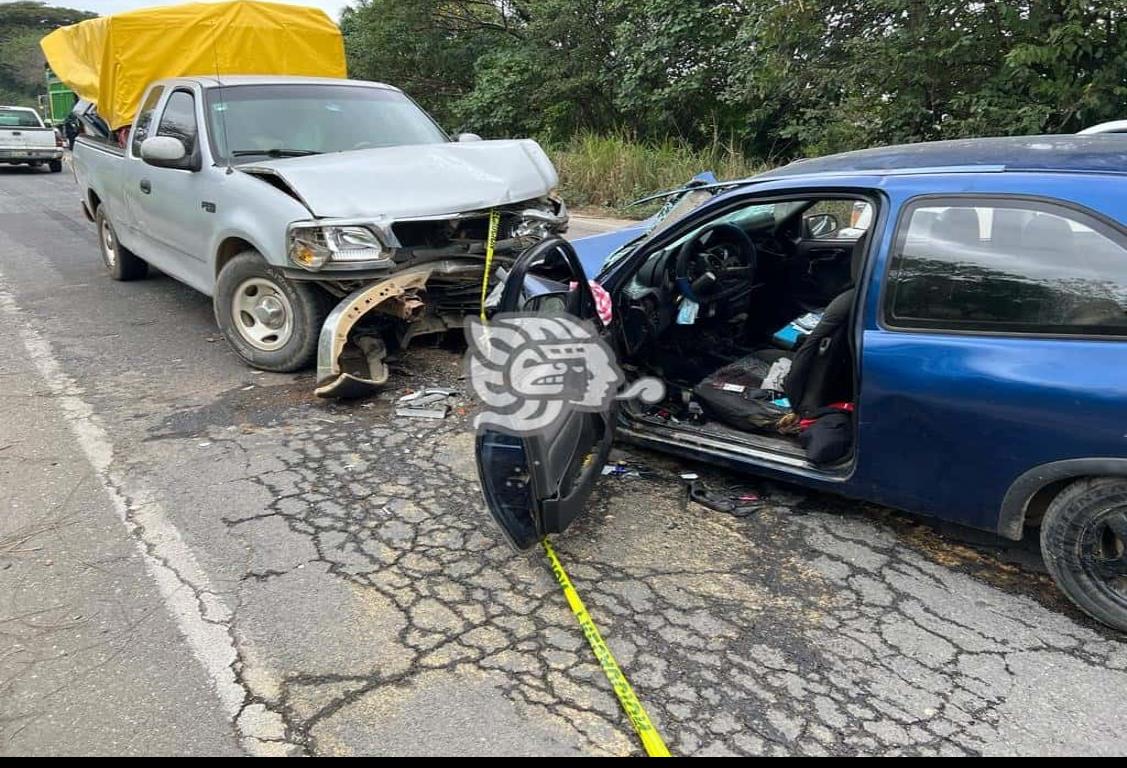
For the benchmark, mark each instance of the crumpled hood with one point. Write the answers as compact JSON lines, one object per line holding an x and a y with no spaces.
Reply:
{"x":415,"y":181}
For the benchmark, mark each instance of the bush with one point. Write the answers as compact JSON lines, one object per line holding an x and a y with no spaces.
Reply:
{"x":610,"y":171}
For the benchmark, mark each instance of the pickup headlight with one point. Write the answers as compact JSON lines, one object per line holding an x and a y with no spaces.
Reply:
{"x":316,"y":247}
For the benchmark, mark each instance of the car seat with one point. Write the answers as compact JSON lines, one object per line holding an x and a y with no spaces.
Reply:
{"x":821,"y":370}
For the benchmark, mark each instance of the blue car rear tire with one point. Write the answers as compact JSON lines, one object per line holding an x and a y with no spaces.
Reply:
{"x":1084,"y":543}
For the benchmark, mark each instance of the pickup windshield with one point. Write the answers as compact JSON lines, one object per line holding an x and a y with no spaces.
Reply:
{"x":264,"y":121}
{"x":19,"y":118}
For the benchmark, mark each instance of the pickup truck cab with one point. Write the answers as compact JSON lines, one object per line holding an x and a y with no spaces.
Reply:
{"x":25,"y":140}
{"x":961,"y":350}
{"x":281,"y":196}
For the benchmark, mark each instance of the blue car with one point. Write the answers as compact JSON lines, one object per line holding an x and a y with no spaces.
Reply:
{"x":938,"y":327}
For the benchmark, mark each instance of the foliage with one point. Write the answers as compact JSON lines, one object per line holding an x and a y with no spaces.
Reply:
{"x":772,"y":78}
{"x":22,"y":24}
{"x":612,"y":170}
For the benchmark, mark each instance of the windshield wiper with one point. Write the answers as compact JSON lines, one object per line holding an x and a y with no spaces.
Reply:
{"x":276,"y":152}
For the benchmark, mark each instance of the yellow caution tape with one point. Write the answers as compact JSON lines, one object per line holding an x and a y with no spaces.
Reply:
{"x":490,"y":244}
{"x":651,"y":739}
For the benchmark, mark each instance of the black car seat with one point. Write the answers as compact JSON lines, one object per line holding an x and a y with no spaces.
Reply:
{"x":821,"y":371}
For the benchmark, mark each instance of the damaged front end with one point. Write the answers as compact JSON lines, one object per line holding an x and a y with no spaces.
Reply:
{"x":434,"y":271}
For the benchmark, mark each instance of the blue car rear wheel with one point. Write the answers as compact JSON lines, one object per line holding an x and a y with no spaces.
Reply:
{"x":1084,"y":543}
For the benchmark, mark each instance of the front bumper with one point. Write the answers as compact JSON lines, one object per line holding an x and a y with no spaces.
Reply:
{"x":30,"y":155}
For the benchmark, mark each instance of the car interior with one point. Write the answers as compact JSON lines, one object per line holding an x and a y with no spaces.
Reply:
{"x":747,"y":320}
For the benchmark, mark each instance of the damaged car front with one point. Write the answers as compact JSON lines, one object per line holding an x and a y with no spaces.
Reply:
{"x":430,"y":276}
{"x":398,"y":229}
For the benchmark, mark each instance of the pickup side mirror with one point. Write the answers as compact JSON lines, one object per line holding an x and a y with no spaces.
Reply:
{"x":461,"y":137}
{"x":165,"y":152}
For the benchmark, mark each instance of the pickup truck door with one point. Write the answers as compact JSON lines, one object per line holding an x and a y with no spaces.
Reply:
{"x":537,"y":484}
{"x":132,"y":218}
{"x":169,"y":200}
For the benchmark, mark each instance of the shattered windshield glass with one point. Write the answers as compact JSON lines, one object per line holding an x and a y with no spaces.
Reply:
{"x":677,"y":209}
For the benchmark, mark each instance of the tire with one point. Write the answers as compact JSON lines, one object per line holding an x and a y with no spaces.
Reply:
{"x":1084,"y":543}
{"x":122,"y":263}
{"x":272,"y":323}
{"x":56,"y":166}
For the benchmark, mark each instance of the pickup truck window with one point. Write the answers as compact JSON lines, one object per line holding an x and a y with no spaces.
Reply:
{"x":252,"y":122}
{"x":19,"y":118}
{"x":145,"y":119}
{"x":1007,"y":267}
{"x":179,"y":120}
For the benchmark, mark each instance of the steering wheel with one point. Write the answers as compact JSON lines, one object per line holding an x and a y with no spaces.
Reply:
{"x":717,"y":264}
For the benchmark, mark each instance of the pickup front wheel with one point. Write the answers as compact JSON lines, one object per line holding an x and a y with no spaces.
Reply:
{"x":121,"y":262}
{"x":271,"y":322}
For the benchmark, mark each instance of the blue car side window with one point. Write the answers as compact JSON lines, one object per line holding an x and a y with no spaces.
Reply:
{"x":1007,"y":266}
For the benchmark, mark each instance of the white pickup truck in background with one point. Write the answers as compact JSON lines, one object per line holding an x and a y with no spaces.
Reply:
{"x":280,"y":197}
{"x":25,"y":140}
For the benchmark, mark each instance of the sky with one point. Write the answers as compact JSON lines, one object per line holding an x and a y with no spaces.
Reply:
{"x":106,"y":7}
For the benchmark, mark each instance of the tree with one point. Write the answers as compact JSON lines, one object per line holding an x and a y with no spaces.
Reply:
{"x":429,"y":48}
{"x":22,"y":25}
{"x":778,"y":78}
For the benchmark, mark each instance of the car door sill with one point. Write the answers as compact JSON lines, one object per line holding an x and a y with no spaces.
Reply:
{"x":684,"y":440}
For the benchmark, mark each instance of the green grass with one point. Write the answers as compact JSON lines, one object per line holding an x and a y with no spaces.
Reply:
{"x":610,"y":171}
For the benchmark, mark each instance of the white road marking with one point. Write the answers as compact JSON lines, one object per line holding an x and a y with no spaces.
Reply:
{"x":199,"y":612}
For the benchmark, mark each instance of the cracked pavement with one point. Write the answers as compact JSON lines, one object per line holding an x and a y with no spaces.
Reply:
{"x":199,"y":558}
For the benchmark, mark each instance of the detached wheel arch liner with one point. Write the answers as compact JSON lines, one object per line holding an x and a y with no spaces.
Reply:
{"x":398,"y":296}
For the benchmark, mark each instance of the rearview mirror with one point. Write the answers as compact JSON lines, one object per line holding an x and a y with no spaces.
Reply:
{"x":820,"y":225}
{"x":163,"y":151}
{"x":461,"y":137}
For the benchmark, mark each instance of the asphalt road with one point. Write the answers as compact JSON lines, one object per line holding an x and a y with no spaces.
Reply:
{"x":198,"y":558}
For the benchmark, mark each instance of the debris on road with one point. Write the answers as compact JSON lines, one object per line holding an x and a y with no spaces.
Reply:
{"x":737,"y":502}
{"x":431,"y":403}
{"x":628,"y":469}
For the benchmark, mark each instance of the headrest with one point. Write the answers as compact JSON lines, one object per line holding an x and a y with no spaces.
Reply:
{"x":1047,"y":233}
{"x":958,"y":225}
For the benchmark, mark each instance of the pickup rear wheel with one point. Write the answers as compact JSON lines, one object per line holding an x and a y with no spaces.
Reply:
{"x":271,"y":322}
{"x":56,"y":166}
{"x":121,"y":262}
{"x":1084,"y":543}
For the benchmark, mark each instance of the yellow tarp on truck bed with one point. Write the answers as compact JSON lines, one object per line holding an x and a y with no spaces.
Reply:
{"x":111,"y":60}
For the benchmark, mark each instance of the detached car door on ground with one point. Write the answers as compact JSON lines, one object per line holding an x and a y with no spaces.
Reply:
{"x":986,"y":333}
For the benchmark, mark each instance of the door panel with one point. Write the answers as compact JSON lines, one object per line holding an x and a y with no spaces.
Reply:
{"x":173,"y":203}
{"x":539,"y":483}
{"x":996,"y":346}
{"x":948,"y":422}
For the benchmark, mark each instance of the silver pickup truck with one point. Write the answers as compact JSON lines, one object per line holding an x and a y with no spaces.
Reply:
{"x":326,"y":218}
{"x":25,"y":140}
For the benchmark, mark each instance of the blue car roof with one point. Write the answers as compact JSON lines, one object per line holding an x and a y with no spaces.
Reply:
{"x":1098,"y":153}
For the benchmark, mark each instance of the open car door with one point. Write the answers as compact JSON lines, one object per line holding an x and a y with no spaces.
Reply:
{"x":538,"y":482}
